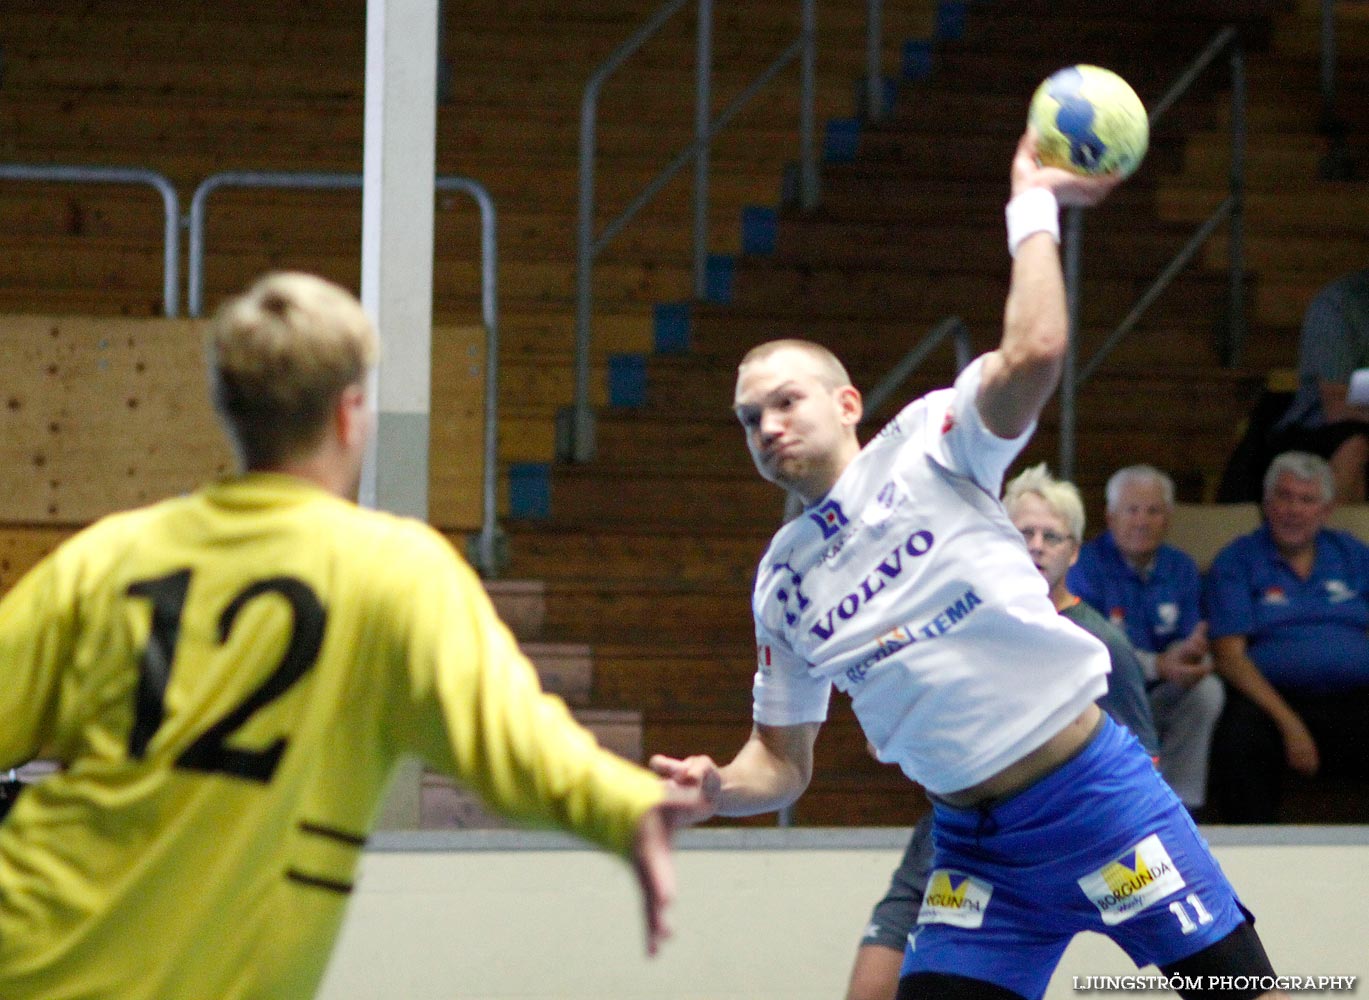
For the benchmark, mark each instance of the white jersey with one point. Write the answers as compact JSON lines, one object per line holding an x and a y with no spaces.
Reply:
{"x":908,"y":587}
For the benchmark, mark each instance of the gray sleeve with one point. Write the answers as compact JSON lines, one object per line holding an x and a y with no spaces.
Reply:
{"x":1126,"y":700}
{"x":1328,"y":350}
{"x":894,"y":915}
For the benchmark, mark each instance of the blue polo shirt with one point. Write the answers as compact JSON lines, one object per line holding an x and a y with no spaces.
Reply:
{"x":1155,"y":610}
{"x":1306,"y":636}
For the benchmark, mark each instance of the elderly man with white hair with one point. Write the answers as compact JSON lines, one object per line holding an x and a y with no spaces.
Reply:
{"x":1289,"y":614}
{"x":1153,"y":591}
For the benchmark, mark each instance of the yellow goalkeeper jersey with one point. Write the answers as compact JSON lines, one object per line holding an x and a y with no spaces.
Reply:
{"x":228,"y":679}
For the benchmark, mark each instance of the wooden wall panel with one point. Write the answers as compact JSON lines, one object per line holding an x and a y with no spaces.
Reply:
{"x":103,"y":414}
{"x":456,"y":433}
{"x":23,"y":545}
{"x":98,"y":415}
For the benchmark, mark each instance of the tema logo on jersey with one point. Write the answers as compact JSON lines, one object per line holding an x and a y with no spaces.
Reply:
{"x":954,"y":898}
{"x":1138,"y":878}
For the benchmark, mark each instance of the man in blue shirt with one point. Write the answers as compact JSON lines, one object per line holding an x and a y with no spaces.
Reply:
{"x":1152,"y":592}
{"x":1288,"y":607}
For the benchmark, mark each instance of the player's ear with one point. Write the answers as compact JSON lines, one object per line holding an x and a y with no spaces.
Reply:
{"x":350,"y":414}
{"x":850,"y":405}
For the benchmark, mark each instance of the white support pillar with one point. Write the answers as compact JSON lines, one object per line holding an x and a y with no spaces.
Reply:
{"x":397,"y":242}
{"x":397,"y":273}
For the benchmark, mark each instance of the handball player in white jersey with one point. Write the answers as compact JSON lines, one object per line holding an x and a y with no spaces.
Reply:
{"x":906,"y":586}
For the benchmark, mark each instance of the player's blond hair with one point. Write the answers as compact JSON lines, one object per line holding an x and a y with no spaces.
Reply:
{"x":830,"y":371}
{"x":1060,"y":496}
{"x":280,"y":356}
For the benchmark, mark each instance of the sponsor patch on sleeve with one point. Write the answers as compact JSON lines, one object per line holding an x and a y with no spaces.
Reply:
{"x":1126,"y":886}
{"x":954,"y":898}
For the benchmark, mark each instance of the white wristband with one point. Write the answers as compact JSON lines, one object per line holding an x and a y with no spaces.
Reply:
{"x":1035,"y":210}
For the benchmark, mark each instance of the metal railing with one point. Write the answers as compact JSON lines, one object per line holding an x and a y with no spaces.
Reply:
{"x":1328,"y":61}
{"x":1338,"y":163}
{"x":874,"y":61}
{"x":171,"y":206}
{"x":1230,"y":211}
{"x":952,"y":327}
{"x":580,"y":433}
{"x":485,"y":554}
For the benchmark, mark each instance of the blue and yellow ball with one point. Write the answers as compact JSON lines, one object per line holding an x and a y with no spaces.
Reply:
{"x":1089,"y":120}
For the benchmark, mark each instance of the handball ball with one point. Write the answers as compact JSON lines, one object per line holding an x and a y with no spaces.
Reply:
{"x":1089,"y":120}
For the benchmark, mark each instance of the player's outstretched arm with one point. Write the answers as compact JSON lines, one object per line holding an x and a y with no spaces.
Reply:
{"x":1020,"y":376}
{"x":770,"y":771}
{"x":655,"y":868}
{"x":652,"y":860}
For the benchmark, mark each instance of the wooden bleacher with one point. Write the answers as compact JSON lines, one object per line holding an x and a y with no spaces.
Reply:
{"x":285,"y":93}
{"x":907,"y":233}
{"x":642,"y":568}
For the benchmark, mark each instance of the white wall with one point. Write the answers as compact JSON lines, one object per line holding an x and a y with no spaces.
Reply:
{"x":761,"y":914}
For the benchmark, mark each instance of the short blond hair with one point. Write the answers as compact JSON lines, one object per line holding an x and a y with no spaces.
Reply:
{"x":280,"y":355}
{"x":831,"y":372}
{"x":1060,"y":496}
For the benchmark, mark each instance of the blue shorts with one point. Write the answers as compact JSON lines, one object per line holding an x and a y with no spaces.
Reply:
{"x":1100,"y":844}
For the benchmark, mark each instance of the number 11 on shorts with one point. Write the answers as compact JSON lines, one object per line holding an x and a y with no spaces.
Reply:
{"x":1187,"y":923}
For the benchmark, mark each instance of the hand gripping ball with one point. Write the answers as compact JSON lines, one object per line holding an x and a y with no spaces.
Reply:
{"x":1089,"y":120}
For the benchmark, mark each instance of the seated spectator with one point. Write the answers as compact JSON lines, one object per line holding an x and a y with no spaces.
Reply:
{"x":1288,"y":607}
{"x":1153,"y":592}
{"x":1335,"y":341}
{"x":1050,"y":515}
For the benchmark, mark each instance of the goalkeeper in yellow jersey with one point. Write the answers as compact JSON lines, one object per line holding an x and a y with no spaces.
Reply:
{"x":228,"y":678}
